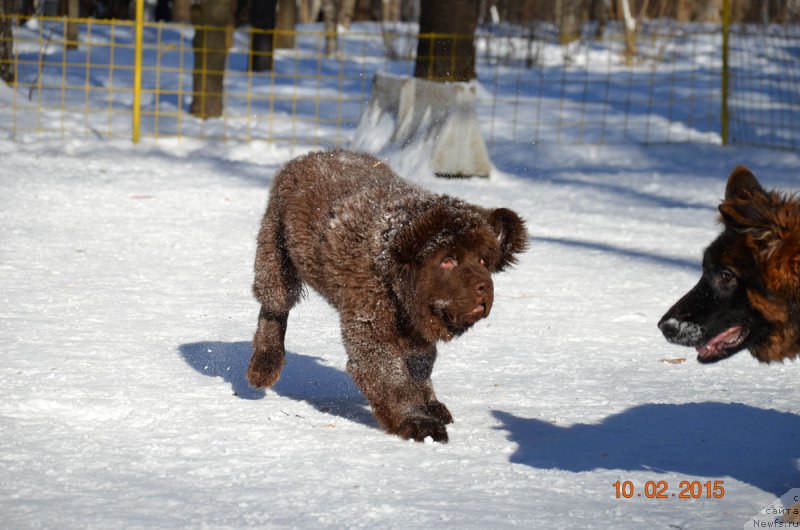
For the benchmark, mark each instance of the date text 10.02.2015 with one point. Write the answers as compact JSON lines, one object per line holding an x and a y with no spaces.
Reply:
{"x":687,"y":489}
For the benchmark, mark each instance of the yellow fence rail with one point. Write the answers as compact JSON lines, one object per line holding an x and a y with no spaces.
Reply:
{"x":137,"y":72}
{"x":532,"y":88}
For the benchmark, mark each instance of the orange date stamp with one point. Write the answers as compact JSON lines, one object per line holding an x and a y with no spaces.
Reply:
{"x":687,"y":489}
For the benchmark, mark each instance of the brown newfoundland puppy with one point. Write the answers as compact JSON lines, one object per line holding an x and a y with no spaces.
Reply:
{"x":405,"y":268}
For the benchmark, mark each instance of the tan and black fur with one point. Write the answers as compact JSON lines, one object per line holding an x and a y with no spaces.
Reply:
{"x":405,"y":268}
{"x":749,"y":294}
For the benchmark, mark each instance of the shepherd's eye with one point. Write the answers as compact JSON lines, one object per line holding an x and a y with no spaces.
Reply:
{"x":726,"y":276}
{"x":448,"y":263}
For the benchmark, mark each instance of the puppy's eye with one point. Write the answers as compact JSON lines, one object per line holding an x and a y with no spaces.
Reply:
{"x":448,"y":263}
{"x":483,"y":262}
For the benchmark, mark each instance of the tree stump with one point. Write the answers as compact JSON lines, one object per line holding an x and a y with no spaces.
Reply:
{"x":411,"y":121}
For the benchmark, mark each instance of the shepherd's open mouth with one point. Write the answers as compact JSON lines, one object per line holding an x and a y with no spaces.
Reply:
{"x":723,"y":345}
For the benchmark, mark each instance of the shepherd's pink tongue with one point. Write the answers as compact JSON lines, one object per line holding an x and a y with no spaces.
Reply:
{"x":715,"y":346}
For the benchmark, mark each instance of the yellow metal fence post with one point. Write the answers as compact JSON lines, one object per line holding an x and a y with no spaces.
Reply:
{"x":726,"y":29}
{"x":137,"y":71}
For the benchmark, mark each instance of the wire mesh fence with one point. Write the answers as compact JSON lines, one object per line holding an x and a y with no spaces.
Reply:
{"x":764,"y":93}
{"x":531,"y":87}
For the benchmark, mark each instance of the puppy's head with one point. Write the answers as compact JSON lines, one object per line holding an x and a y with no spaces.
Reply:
{"x":446,"y":258}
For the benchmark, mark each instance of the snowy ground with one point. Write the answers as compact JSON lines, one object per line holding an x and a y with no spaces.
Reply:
{"x":125,"y":328}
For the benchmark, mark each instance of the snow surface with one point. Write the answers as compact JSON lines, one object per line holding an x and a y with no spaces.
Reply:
{"x":125,"y":278}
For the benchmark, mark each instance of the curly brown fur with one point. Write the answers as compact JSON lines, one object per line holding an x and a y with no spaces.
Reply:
{"x":405,"y":268}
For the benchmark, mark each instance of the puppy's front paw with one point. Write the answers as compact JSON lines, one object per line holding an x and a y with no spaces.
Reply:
{"x":420,"y":427}
{"x":439,"y":411}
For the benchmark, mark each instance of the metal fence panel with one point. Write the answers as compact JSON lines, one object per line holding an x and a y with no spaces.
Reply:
{"x":532,"y":88}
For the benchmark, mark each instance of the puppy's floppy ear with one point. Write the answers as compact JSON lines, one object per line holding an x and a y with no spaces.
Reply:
{"x":511,"y":235}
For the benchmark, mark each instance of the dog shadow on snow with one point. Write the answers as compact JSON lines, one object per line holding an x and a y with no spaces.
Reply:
{"x":758,"y":446}
{"x":304,"y":378}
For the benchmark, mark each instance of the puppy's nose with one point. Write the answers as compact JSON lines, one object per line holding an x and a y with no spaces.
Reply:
{"x":480,"y":288}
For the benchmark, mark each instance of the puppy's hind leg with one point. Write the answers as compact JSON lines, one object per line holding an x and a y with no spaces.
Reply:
{"x":268,"y":350}
{"x":278,"y":288}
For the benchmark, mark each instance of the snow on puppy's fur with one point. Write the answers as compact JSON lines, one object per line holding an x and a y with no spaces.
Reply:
{"x":405,"y":268}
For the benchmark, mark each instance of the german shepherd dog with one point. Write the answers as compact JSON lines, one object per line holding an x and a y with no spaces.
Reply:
{"x":749,"y":294}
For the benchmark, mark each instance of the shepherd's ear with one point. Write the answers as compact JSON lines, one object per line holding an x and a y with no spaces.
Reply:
{"x":511,"y":235}
{"x":747,"y":204}
{"x":742,"y":184}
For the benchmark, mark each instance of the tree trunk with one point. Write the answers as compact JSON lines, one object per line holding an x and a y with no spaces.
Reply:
{"x":6,"y":42}
{"x":598,"y":11}
{"x":305,"y":12}
{"x":262,"y":18}
{"x":683,"y":10}
{"x":28,"y":9}
{"x":630,"y":30}
{"x":391,"y":10}
{"x":347,"y":9}
{"x":449,"y":56}
{"x":286,"y":21}
{"x":181,"y":11}
{"x":315,"y":7}
{"x":329,"y":16}
{"x":568,"y":15}
{"x":211,"y":19}
{"x":121,"y":10}
{"x":409,"y":10}
{"x":73,"y":12}
{"x":163,"y":11}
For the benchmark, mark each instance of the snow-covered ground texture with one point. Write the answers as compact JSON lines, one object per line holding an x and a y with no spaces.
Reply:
{"x":126,"y":318}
